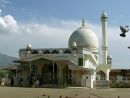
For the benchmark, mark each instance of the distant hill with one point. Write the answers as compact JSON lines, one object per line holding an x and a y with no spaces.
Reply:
{"x":6,"y":60}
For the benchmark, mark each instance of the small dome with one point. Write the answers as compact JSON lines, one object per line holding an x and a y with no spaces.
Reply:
{"x":29,"y":46}
{"x":84,"y":38}
{"x":74,"y":45}
{"x":104,"y":15}
{"x":109,"y":56}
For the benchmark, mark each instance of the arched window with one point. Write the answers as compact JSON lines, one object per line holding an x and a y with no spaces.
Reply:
{"x":34,"y":52}
{"x":55,"y":52}
{"x":101,"y":75}
{"x":67,"y":51}
{"x":46,"y":52}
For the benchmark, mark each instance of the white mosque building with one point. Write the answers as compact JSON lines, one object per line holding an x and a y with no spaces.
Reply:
{"x":77,"y":65}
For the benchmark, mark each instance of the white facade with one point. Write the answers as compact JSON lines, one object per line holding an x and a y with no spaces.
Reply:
{"x":81,"y":58}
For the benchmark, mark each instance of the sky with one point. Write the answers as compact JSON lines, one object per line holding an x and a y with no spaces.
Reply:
{"x":49,"y":24}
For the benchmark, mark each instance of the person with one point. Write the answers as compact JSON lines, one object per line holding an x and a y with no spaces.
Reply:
{"x":40,"y":82}
{"x":30,"y":81}
{"x":3,"y":81}
{"x":21,"y":81}
{"x":37,"y":83}
{"x":12,"y":81}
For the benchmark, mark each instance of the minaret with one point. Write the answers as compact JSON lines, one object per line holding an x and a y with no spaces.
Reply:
{"x":104,"y":37}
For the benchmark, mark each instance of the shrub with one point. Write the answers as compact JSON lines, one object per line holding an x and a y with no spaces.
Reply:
{"x":120,"y":84}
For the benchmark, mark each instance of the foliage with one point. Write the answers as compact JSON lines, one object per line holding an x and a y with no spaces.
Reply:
{"x":1,"y":74}
{"x":120,"y":84}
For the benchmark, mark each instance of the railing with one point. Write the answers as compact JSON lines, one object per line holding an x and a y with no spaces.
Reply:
{"x":101,"y":83}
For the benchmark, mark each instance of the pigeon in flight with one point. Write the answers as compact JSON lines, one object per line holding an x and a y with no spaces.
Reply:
{"x":124,"y":30}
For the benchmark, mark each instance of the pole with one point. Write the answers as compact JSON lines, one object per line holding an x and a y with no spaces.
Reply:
{"x":53,"y":69}
{"x":16,"y":70}
{"x":68,"y":73}
{"x":30,"y":68}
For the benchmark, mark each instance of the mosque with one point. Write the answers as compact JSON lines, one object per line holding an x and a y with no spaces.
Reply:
{"x":77,"y":65}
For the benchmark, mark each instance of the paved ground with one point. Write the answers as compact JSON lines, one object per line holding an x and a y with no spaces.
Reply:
{"x":16,"y":92}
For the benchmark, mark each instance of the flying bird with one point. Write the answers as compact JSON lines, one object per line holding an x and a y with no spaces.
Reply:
{"x":129,"y":47}
{"x":124,"y":30}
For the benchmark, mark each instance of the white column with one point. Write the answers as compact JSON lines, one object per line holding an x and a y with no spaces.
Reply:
{"x":104,"y":38}
{"x":107,"y":74}
{"x":94,"y":75}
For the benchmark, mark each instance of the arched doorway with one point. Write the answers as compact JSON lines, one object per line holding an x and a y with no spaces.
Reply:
{"x":65,"y":75}
{"x":49,"y":73}
{"x":101,"y":75}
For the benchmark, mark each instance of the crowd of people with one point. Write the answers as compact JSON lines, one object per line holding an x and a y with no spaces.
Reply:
{"x":35,"y":82}
{"x":13,"y":81}
{"x":4,"y":81}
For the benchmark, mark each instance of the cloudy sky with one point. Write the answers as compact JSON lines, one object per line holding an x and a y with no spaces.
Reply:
{"x":49,"y":23}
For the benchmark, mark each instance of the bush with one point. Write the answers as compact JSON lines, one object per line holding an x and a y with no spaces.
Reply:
{"x":120,"y":84}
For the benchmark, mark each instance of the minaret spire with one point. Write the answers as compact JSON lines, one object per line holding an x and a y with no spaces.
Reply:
{"x":83,"y":22}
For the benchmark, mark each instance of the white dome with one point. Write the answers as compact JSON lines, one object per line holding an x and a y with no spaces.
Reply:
{"x":28,"y":45}
{"x":84,"y":38}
